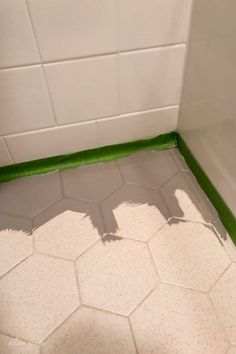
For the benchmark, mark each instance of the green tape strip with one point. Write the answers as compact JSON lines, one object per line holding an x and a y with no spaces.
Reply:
{"x":103,"y":154}
{"x":225,"y":214}
{"x":114,"y":152}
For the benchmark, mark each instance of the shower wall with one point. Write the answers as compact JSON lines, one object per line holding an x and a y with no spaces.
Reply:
{"x":78,"y":74}
{"x":207,"y":119}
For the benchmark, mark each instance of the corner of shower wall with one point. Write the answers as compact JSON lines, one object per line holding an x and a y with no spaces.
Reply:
{"x":207,"y":118}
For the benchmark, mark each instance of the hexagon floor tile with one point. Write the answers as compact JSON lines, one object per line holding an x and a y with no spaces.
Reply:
{"x":178,"y":321}
{"x":68,"y":228}
{"x":148,"y":168}
{"x":15,"y":241}
{"x":91,"y":331}
{"x":188,"y":254}
{"x":9,"y":345}
{"x":223,"y":295}
{"x":88,"y":255}
{"x":116,"y":275}
{"x":92,"y":182}
{"x":28,"y":196}
{"x":186,"y":199}
{"x":225,"y":239}
{"x":36,"y":297}
{"x":134,"y":212}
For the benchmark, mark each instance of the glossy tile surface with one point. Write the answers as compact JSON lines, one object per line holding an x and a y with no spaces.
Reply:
{"x":121,"y":257}
{"x":150,"y":78}
{"x":154,"y":23}
{"x":207,"y":118}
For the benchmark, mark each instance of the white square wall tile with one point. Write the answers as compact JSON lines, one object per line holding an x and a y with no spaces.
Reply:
{"x":136,"y":126}
{"x":152,"y":23}
{"x":84,"y":89}
{"x":24,"y":101}
{"x":151,"y":78}
{"x":18,"y":46}
{"x":53,"y":141}
{"x":5,"y":158}
{"x":70,"y":28}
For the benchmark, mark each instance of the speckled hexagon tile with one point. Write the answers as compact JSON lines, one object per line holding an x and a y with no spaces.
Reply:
{"x":148,"y":168}
{"x":185,"y":199}
{"x":116,"y":275}
{"x":67,"y":228}
{"x":91,"y":331}
{"x":174,"y":320}
{"x":28,"y":196}
{"x":10,"y":345}
{"x":91,"y":182}
{"x":15,"y":241}
{"x":225,"y":239}
{"x":223,"y":295}
{"x":134,"y":212}
{"x":36,"y":297}
{"x":188,"y":254}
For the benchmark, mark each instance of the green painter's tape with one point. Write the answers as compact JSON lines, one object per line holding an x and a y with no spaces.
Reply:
{"x":225,"y":214}
{"x":114,"y":152}
{"x":103,"y":154}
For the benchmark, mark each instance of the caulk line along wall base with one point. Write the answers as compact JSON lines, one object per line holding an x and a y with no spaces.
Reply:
{"x":113,"y":152}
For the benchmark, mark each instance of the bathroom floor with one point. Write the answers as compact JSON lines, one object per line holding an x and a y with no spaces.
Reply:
{"x":122,"y":257}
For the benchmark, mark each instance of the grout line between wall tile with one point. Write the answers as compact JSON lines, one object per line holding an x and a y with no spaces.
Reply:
{"x":8,"y":149}
{"x":41,"y":63}
{"x":92,"y":56}
{"x":187,"y":45}
{"x":84,"y":122}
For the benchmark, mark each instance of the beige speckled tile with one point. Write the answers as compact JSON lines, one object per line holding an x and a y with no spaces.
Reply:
{"x":68,"y":228}
{"x":225,"y":239}
{"x":177,"y":321}
{"x":186,"y":199}
{"x":91,"y":331}
{"x":36,"y":297}
{"x":29,"y":196}
{"x":92,"y":182}
{"x":148,"y":168}
{"x":116,"y":275}
{"x":223,"y":295}
{"x":189,"y":254}
{"x":15,"y":241}
{"x":134,"y":212}
{"x":9,"y":345}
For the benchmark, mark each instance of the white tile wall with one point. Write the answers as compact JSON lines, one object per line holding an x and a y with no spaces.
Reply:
{"x":5,"y":158}
{"x":74,"y":28}
{"x":84,"y":89}
{"x":152,"y":23}
{"x":24,"y":100}
{"x":53,"y":141}
{"x":135,"y":126}
{"x":151,"y":78}
{"x":71,"y":80}
{"x":16,"y":36}
{"x":207,"y":119}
